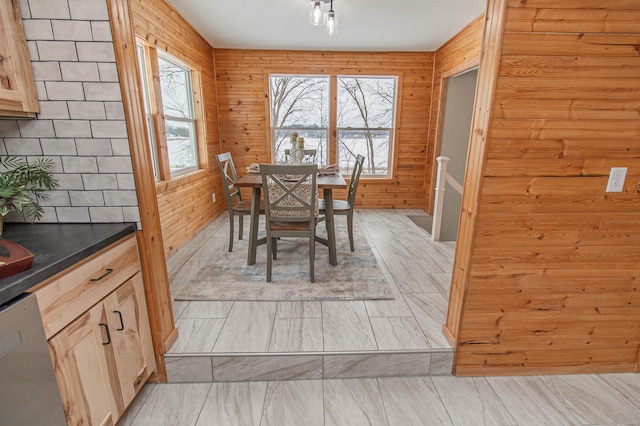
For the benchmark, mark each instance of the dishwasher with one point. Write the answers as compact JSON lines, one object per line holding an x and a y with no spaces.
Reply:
{"x":28,"y":390}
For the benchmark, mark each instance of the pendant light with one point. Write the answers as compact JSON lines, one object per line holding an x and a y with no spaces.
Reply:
{"x":315,"y":16}
{"x":331,"y":23}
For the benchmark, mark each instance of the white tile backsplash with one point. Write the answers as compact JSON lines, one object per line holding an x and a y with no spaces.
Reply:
{"x":87,"y":110}
{"x":96,"y":51}
{"x":57,"y":50}
{"x":94,"y":147}
{"x":80,"y":71}
{"x":101,"y":31}
{"x":58,"y":146}
{"x":72,"y":128}
{"x":49,"y":9}
{"x":38,"y":29}
{"x":72,"y":30}
{"x":102,"y":91}
{"x":64,"y":91}
{"x":92,"y":10}
{"x":22,"y":146}
{"x":81,"y":123}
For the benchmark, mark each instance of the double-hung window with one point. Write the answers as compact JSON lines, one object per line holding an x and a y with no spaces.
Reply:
{"x":299,"y":104}
{"x":363,"y":124}
{"x":365,"y":117}
{"x":170,"y":113}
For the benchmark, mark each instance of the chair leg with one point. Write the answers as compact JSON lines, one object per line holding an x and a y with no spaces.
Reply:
{"x":230,"y":231}
{"x":312,"y":256}
{"x":240,"y":226}
{"x":269,"y":248}
{"x":350,"y":229}
{"x":274,"y":252}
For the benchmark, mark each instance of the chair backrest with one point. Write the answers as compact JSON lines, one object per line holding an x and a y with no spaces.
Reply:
{"x":355,"y":178}
{"x":229,"y":177}
{"x":290,"y":192}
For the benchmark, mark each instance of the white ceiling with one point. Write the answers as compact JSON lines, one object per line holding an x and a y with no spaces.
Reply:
{"x":363,"y":25}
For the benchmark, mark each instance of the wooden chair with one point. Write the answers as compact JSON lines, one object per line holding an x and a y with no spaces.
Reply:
{"x":291,"y":209}
{"x":345,"y":208}
{"x":235,"y":204}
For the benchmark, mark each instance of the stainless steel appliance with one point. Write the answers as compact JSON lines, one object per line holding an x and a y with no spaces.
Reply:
{"x":28,"y":391}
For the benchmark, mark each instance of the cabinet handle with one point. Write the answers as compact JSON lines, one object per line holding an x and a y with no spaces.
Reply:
{"x":106,"y":328}
{"x":107,"y":272}
{"x":121,"y":322}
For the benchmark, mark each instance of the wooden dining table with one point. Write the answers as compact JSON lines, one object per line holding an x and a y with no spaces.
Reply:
{"x":325,"y":182}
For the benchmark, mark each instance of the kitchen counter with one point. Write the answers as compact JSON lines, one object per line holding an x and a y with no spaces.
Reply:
{"x":55,"y":248}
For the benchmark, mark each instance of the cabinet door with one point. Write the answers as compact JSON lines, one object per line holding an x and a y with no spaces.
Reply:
{"x":131,"y":336}
{"x":83,"y":366}
{"x":18,"y":96}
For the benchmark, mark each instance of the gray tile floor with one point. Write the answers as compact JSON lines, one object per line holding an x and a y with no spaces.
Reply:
{"x":413,"y":321}
{"x":417,"y":270}
{"x":444,"y":400}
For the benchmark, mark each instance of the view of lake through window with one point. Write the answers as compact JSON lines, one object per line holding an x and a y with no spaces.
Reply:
{"x":365,"y":115}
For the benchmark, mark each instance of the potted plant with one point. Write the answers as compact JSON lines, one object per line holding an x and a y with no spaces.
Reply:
{"x":23,"y":185}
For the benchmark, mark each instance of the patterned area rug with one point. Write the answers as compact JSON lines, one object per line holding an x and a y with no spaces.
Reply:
{"x":226,"y":276}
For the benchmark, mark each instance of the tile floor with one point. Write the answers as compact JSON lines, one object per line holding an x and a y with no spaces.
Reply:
{"x":407,"y":401}
{"x":410,"y":323}
{"x":405,"y":332}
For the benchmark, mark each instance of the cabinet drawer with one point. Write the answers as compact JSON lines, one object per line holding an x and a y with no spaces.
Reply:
{"x":70,"y":293}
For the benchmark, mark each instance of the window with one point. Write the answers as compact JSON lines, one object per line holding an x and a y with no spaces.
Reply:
{"x":365,"y":117}
{"x":171,"y":118}
{"x":364,"y":122}
{"x":299,"y":104}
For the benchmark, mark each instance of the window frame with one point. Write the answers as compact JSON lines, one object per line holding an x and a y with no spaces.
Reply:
{"x":273,"y":130}
{"x":332,"y":140}
{"x":390,"y":130}
{"x":157,"y":120}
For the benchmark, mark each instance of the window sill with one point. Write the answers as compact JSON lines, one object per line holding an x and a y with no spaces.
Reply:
{"x":165,"y":185}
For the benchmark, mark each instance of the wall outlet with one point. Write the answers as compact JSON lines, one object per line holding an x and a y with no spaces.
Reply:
{"x":213,"y":197}
{"x":616,"y":179}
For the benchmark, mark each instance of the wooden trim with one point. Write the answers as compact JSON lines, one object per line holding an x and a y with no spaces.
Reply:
{"x":485,"y":95}
{"x":150,"y":243}
{"x":332,"y":157}
{"x":157,"y":110}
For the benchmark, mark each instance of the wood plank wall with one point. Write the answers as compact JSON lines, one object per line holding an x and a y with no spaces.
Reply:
{"x":552,"y":270}
{"x":242,"y":77}
{"x":460,"y":53}
{"x":185,"y":203}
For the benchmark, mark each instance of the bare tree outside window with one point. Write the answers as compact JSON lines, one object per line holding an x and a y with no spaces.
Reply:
{"x":177,"y":103}
{"x":299,"y":104}
{"x":366,"y":110}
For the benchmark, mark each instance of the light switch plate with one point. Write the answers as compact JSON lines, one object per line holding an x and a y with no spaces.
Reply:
{"x":616,"y":179}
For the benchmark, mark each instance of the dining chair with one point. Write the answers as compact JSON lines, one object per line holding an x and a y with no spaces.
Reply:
{"x":346,"y":208}
{"x":291,"y":208}
{"x":235,"y":204}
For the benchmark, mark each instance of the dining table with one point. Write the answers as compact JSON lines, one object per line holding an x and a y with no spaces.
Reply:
{"x":326,"y":182}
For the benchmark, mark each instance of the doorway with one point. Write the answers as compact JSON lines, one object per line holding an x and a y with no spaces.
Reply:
{"x":456,"y":130}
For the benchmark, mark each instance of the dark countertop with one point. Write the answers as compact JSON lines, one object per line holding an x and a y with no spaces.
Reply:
{"x":56,"y":247}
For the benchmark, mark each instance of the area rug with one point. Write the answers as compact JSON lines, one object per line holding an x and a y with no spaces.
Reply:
{"x":226,"y":276}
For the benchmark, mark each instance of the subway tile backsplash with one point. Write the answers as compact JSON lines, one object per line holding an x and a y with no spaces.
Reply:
{"x":81,"y":124}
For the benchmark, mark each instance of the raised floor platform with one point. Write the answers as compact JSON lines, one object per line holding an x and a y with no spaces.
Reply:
{"x":254,"y":341}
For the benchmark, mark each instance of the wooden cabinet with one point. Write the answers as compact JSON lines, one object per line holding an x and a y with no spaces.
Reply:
{"x":18,"y":97}
{"x":103,"y":355}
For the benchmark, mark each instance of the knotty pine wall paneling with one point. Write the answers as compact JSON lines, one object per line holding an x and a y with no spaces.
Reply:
{"x":185,"y":202}
{"x":548,"y":276}
{"x":243,"y":91}
{"x":459,"y":54}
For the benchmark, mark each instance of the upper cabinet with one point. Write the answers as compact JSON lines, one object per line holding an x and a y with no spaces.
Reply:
{"x":18,"y":96}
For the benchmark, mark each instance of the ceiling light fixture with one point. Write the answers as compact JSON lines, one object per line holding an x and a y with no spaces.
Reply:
{"x":318,"y":17}
{"x":331,"y":23}
{"x":315,"y":17}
